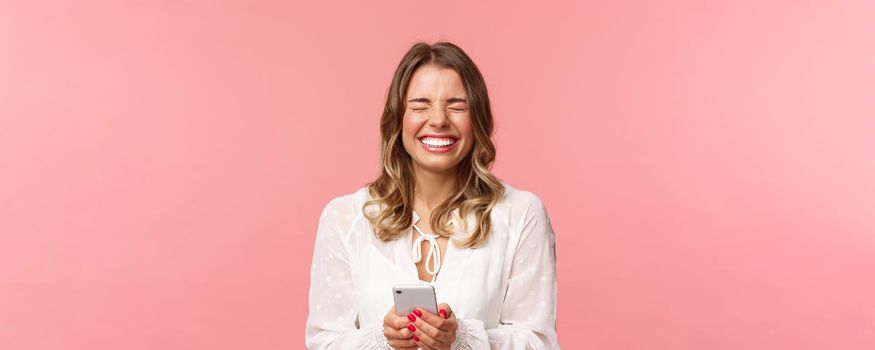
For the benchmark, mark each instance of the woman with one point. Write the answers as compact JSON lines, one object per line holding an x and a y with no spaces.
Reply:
{"x":435,"y":215}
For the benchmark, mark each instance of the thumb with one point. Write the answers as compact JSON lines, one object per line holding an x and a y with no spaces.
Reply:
{"x":444,"y":310}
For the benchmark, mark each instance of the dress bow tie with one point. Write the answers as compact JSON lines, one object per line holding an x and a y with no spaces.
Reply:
{"x":434,"y":253}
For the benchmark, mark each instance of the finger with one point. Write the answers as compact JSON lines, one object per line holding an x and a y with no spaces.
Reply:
{"x":390,"y":315}
{"x":397,"y":322}
{"x":425,"y":346}
{"x":426,"y":342}
{"x":401,"y":321}
{"x":430,"y":331}
{"x":444,"y":310}
{"x":435,"y":320}
{"x":392,"y":333}
{"x":402,"y":344}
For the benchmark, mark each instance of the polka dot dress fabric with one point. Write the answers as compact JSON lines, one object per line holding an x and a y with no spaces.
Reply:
{"x":503,"y":293}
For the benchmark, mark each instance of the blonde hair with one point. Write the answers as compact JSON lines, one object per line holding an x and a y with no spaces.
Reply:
{"x":478,"y":190}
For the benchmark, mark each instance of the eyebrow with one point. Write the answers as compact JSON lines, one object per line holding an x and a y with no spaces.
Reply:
{"x":449,"y":100}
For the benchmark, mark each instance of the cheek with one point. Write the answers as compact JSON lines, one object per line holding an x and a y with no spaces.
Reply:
{"x":410,"y":126}
{"x":465,"y":126}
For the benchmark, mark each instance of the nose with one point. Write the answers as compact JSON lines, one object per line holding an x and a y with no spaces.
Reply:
{"x":438,"y":119}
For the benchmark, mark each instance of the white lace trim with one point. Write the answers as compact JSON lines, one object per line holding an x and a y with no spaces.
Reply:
{"x":375,"y":339}
{"x":461,"y":342}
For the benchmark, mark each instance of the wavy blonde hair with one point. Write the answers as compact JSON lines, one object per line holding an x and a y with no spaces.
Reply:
{"x":478,"y":190}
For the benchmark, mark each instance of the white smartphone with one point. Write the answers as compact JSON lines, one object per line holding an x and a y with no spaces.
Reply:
{"x":410,"y":296}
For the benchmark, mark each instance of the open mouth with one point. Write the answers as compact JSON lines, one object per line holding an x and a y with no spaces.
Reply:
{"x":437,"y":144}
{"x":437,"y":141}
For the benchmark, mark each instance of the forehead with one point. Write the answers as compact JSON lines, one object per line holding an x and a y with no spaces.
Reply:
{"x":433,"y":80}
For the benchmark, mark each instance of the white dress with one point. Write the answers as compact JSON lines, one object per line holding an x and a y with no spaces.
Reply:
{"x":502,"y":293}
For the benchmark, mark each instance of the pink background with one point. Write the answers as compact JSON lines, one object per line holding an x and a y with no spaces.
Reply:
{"x":709,"y":167}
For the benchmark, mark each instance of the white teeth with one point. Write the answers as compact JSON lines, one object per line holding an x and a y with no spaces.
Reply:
{"x":436,"y":142}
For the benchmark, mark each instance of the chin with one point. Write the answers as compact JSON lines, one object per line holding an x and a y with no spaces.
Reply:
{"x":438,"y":167}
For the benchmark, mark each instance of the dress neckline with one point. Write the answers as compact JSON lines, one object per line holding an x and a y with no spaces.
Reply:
{"x":434,"y":264}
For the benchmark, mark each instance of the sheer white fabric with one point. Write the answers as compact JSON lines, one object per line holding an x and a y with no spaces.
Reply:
{"x":503,"y":293}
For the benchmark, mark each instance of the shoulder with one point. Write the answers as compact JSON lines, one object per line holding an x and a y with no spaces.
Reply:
{"x":530,"y":224}
{"x":521,"y":201}
{"x":343,"y":209}
{"x":525,"y":212}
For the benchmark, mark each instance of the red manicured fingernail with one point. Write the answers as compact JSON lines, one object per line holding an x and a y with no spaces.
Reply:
{"x":417,"y":312}
{"x":411,"y":317}
{"x":411,"y":327}
{"x":443,"y":313}
{"x":415,"y":338}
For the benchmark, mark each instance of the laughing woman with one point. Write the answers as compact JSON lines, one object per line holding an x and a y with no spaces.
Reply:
{"x":435,"y":215}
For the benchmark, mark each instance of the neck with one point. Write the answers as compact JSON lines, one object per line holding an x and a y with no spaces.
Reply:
{"x":432,"y":188}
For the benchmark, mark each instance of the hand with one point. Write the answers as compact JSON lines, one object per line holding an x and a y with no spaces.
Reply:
{"x":395,"y":330}
{"x":435,"y":331}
